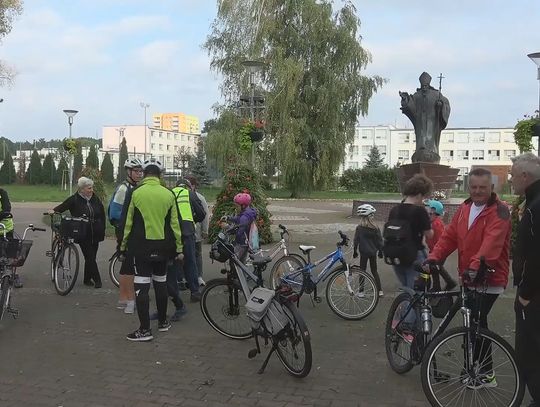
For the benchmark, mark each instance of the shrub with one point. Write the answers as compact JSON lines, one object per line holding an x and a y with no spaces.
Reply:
{"x":380,"y":179}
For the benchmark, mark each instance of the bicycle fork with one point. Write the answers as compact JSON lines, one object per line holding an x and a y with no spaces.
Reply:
{"x":347,"y":279}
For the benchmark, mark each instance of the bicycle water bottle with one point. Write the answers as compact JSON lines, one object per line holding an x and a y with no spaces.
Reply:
{"x":425,"y":317}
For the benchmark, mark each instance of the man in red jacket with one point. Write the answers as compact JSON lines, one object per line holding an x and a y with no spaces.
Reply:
{"x":480,"y":228}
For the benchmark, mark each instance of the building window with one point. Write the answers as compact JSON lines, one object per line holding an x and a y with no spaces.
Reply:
{"x":168,"y":147}
{"x":449,"y":137}
{"x":168,"y":136}
{"x":366,"y":149}
{"x":367,"y":134}
{"x":176,"y":136}
{"x":462,"y":154}
{"x":494,"y":155}
{"x":152,"y":146}
{"x":462,"y":137}
{"x":478,"y":137}
{"x":183,"y":137}
{"x":508,"y":137}
{"x":447,"y":154}
{"x":160,"y":134}
{"x":478,"y":154}
{"x":463,"y":170}
{"x":161,"y":146}
{"x":188,"y":138}
{"x":403,"y":154}
{"x":380,"y":134}
{"x":494,"y":137}
{"x":382,"y":149}
{"x":152,"y":133}
{"x":404,"y":137}
{"x":509,"y":153}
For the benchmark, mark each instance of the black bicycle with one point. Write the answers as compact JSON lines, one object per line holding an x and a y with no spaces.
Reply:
{"x":13,"y":254}
{"x":466,"y":365}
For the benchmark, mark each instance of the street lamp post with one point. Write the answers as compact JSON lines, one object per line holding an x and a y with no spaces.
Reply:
{"x":252,"y":67}
{"x":144,"y":106}
{"x":535,"y":57}
{"x":70,"y":114}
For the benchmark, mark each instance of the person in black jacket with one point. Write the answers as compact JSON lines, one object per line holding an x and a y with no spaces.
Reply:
{"x":368,"y":240}
{"x":6,"y":219}
{"x":85,"y":202}
{"x":526,"y":269}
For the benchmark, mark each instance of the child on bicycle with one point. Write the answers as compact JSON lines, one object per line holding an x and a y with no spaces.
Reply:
{"x":435,"y":211}
{"x":246,"y":215}
{"x":368,"y":240}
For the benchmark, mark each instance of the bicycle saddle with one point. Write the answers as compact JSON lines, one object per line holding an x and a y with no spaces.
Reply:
{"x":306,"y":249}
{"x":261,"y":261}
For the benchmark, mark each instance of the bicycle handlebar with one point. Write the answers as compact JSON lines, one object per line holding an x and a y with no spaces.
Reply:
{"x":344,"y":239}
{"x":283,"y":232}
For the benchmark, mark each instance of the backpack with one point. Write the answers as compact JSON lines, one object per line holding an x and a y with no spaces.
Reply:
{"x":253,"y":236}
{"x":197,"y":208}
{"x":399,"y":247}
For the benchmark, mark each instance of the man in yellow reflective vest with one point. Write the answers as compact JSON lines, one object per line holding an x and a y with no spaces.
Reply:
{"x":6,"y":219}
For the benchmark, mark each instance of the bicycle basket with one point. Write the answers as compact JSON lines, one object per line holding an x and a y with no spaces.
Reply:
{"x":14,"y":252}
{"x":221,"y":251}
{"x":440,"y":306}
{"x":74,"y":228}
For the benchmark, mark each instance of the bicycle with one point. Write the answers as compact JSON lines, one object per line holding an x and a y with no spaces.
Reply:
{"x":463,"y":362}
{"x":64,"y":254}
{"x":351,"y":293}
{"x":223,"y":305}
{"x":13,"y":254}
{"x":281,"y":246}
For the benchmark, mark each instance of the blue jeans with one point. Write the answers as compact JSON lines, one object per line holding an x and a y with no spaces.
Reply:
{"x":407,"y":275}
{"x":188,"y":268}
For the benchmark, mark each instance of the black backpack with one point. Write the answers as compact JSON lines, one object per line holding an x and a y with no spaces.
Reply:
{"x":399,"y":246}
{"x":197,"y":208}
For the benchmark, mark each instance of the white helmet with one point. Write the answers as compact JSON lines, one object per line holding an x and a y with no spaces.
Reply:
{"x":365,"y":210}
{"x":132,"y":163}
{"x":153,"y":162}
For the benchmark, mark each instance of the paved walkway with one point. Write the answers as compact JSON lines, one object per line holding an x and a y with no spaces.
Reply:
{"x":71,"y":351}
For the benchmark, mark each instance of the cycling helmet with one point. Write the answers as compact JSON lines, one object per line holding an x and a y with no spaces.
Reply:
{"x":242,"y":199}
{"x":132,"y":163}
{"x":184,"y":182}
{"x":152,"y":162}
{"x":365,"y":210}
{"x":439,"y":208}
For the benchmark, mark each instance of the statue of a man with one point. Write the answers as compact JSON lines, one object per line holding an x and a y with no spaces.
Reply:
{"x":428,"y":110}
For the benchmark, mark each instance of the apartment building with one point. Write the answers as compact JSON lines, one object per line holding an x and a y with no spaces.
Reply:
{"x":179,"y":122}
{"x":460,"y":148}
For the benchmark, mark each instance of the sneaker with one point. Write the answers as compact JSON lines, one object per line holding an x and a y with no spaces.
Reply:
{"x":195,"y":297}
{"x":140,"y":335}
{"x":17,"y":283}
{"x":89,"y":283}
{"x":482,"y":382}
{"x":201,"y":282}
{"x":98,"y":284}
{"x":182,"y":285}
{"x":130,"y":307}
{"x":164,"y":326}
{"x":121,"y":304}
{"x":381,"y":293}
{"x":178,"y":314}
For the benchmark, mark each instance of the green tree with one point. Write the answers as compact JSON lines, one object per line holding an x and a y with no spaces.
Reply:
{"x":92,"y":159}
{"x":107,"y":169}
{"x":374,"y":159}
{"x":208,"y":125}
{"x":77,"y":163}
{"x":123,"y":157}
{"x":48,"y":171}
{"x":9,"y":10}
{"x":7,"y":171}
{"x":222,"y":141}
{"x":62,"y":173}
{"x":241,"y":178}
{"x":314,"y":82}
{"x":197,"y":165}
{"x":33,"y":175}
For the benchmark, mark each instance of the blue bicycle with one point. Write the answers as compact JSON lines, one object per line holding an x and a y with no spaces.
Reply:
{"x":351,"y":293}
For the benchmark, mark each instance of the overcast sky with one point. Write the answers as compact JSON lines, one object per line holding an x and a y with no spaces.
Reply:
{"x":103,"y":57}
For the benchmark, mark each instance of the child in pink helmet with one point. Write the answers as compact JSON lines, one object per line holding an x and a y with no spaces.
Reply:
{"x":246,"y":214}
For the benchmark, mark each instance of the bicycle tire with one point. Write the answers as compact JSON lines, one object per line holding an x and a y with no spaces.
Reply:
{"x":54,"y":255}
{"x":469,"y":396}
{"x":284,"y":266}
{"x":295,"y":334}
{"x":113,"y":273}
{"x":369,"y":293}
{"x":5,"y":291}
{"x":65,"y":278}
{"x":393,"y":339}
{"x":228,"y":312}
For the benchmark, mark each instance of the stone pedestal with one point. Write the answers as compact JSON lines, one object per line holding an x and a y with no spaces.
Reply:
{"x":443,"y":176}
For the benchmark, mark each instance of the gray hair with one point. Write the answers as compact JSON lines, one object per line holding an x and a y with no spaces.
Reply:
{"x":529,"y":163}
{"x":84,"y":182}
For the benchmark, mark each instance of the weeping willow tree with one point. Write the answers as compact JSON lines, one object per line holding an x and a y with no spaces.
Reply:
{"x":314,"y":83}
{"x":9,"y":11}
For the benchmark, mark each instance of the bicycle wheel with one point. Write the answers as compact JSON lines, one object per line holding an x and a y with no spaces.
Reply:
{"x":398,"y":348}
{"x":223,"y":306}
{"x":287,"y":266}
{"x":5,"y":292}
{"x":294,"y":343}
{"x":54,"y":255}
{"x":493,"y":379}
{"x":356,"y":305}
{"x":300,"y":258}
{"x":114,"y":269}
{"x":66,"y":268}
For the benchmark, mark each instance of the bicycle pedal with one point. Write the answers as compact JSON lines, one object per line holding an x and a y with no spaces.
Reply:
{"x":318,"y":300}
{"x":252,"y":353}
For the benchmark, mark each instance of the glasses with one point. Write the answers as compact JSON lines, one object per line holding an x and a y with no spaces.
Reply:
{"x":138,"y":171}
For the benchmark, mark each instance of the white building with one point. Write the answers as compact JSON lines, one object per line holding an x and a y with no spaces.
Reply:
{"x":459,"y":147}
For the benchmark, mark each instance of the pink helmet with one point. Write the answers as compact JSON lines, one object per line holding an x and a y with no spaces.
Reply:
{"x":242,"y":199}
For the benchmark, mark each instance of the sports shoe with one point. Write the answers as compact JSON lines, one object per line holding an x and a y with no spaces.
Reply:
{"x":140,"y":335}
{"x":201,"y":282}
{"x":482,"y":382}
{"x":178,"y":314}
{"x":182,"y":285}
{"x":164,"y":326}
{"x":381,"y":293}
{"x":130,"y":307}
{"x":17,"y":283}
{"x":121,"y":304}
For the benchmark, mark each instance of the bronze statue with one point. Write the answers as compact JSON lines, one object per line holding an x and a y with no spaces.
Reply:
{"x":428,"y":110}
